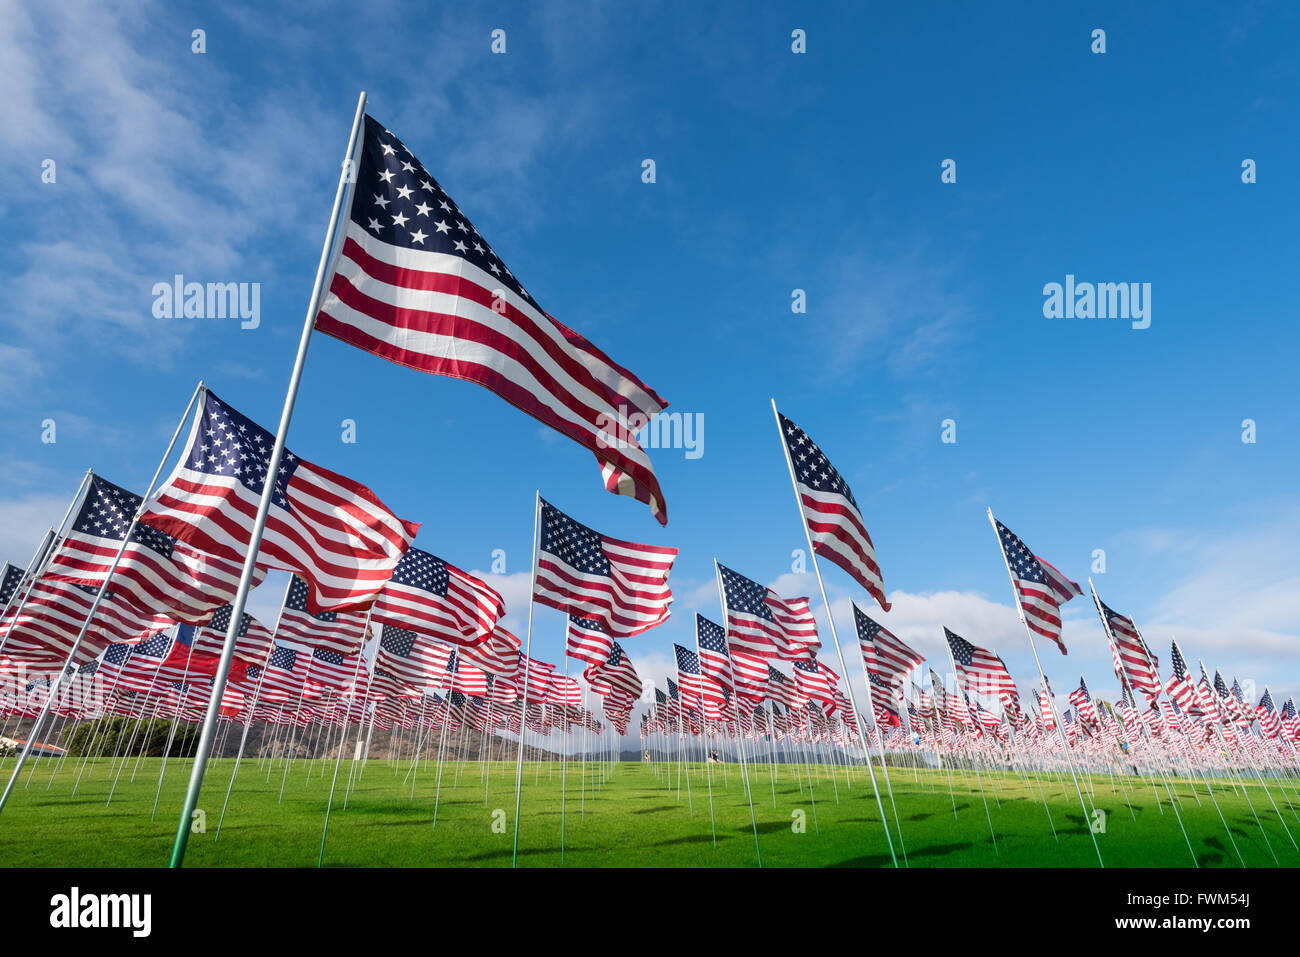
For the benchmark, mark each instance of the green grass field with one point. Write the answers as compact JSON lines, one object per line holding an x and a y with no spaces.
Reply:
{"x":636,"y":818}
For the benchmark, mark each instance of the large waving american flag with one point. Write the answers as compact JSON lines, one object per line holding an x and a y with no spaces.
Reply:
{"x":416,"y":660}
{"x":588,"y":641}
{"x":1042,"y":589}
{"x":761,"y":622}
{"x":1134,"y":663}
{"x":834,"y":519}
{"x":884,"y":654}
{"x":157,"y":573}
{"x":983,"y":671}
{"x":623,"y":585}
{"x":414,"y":282}
{"x":327,"y":528}
{"x":435,"y":598}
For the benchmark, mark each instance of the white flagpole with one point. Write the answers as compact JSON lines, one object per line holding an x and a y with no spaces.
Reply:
{"x":708,"y":770}
{"x":830,"y":619}
{"x":1060,"y":725}
{"x":523,"y":691}
{"x":347,"y":177}
{"x":1124,"y":680}
{"x":735,"y":701}
{"x":99,"y":595}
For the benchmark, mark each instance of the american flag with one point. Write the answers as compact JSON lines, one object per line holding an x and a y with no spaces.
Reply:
{"x":1269,"y":721}
{"x":761,"y":622}
{"x":1134,"y":660}
{"x":751,"y":673}
{"x":340,"y":631}
{"x":588,"y":641}
{"x":418,"y":660}
{"x":435,"y":598}
{"x":1232,"y":700}
{"x":983,"y":671}
{"x":44,"y":628}
{"x":715,"y":662}
{"x":1081,"y":698}
{"x":782,"y":690}
{"x":538,"y":675}
{"x":139,"y":672}
{"x":498,"y":655}
{"x":1041,"y":588}
{"x":832,"y":513}
{"x":1045,"y":710}
{"x":616,"y":677}
{"x":884,"y":653}
{"x":332,"y":671}
{"x":415,"y":283}
{"x":284,"y":679}
{"x":253,"y":640}
{"x":10,"y":580}
{"x":816,"y":680}
{"x":697,"y":686}
{"x":884,"y":698}
{"x":565,"y":692}
{"x":156,"y":572}
{"x":1207,"y":699}
{"x":689,"y":678}
{"x":1180,"y":686}
{"x":328,"y":528}
{"x":623,"y":585}
{"x":463,"y":676}
{"x":1241,"y":710}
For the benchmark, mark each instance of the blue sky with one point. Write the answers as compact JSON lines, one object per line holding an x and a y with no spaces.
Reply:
{"x":775,"y":171}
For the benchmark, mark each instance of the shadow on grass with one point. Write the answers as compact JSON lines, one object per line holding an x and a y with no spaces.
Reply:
{"x":884,"y":860}
{"x":692,"y":839}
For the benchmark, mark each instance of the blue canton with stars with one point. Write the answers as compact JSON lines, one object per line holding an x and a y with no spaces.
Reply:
{"x":1020,"y":558}
{"x":963,"y":652}
{"x":419,"y":569}
{"x":398,"y":641}
{"x":285,"y":658}
{"x":397,"y":201}
{"x":744,"y":595}
{"x":296,"y":600}
{"x":117,"y":653}
{"x":228,"y":444}
{"x":572,"y":542}
{"x":710,"y":635}
{"x":811,"y":466}
{"x":107,"y":512}
{"x":1177,"y":662}
{"x":155,"y":647}
{"x":868,"y":628}
{"x":687,"y":661}
{"x":9,"y":583}
{"x":220,"y":621}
